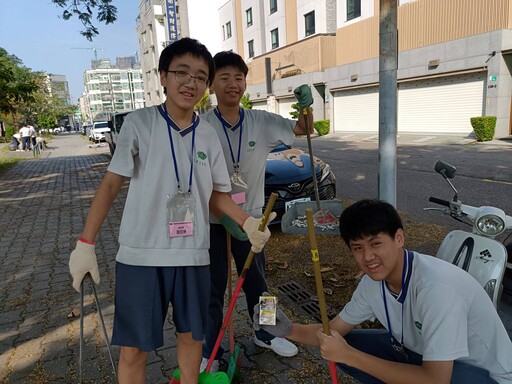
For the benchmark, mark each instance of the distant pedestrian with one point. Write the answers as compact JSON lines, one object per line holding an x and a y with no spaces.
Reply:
{"x":33,"y":135}
{"x":25,"y":134}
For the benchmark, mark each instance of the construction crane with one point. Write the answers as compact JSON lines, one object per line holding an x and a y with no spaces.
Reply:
{"x":94,"y":49}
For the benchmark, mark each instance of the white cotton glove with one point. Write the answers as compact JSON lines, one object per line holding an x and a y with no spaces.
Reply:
{"x":83,"y":260}
{"x":257,"y":238}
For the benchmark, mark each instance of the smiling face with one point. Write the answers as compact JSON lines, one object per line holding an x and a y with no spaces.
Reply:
{"x":380,"y":256}
{"x":229,"y":85}
{"x":181,"y":97}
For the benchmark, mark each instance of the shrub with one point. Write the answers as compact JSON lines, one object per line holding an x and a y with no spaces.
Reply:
{"x":322,"y":127}
{"x":9,"y":131}
{"x":484,"y":127}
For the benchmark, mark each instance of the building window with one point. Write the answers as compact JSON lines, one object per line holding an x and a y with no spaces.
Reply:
{"x":309,"y":23}
{"x":248,"y":15}
{"x":273,"y":6}
{"x":274,"y":38}
{"x":228,"y":29}
{"x":353,"y":9}
{"x":250,"y":47}
{"x":223,"y":33}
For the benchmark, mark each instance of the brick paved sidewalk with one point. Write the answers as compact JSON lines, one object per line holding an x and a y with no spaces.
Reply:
{"x":43,"y":205}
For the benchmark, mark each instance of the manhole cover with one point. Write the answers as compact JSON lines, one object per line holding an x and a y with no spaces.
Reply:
{"x":305,"y":300}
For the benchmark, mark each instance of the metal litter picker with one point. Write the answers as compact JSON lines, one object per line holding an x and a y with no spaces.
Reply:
{"x":319,"y":286}
{"x":105,"y":337}
{"x":325,"y":216}
{"x":222,"y":377}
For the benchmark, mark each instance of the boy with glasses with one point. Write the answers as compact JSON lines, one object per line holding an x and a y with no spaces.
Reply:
{"x":176,"y":169}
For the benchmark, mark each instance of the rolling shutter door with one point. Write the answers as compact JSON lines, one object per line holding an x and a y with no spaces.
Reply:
{"x":356,"y":110}
{"x":285,"y":107}
{"x":441,"y":105}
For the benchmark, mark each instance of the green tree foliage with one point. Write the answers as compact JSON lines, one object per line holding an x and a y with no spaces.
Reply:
{"x":295,"y":111}
{"x":84,"y":10}
{"x":25,"y":96}
{"x":17,"y":85}
{"x":204,"y":104}
{"x":246,"y":102}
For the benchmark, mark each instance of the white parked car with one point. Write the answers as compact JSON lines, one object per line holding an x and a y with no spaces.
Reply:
{"x":98,"y":130}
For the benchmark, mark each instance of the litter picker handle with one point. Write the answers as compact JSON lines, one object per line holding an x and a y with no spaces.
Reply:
{"x":315,"y":257}
{"x":311,"y":159}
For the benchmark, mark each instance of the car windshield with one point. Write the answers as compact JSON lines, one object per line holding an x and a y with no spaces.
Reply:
{"x":100,"y":125}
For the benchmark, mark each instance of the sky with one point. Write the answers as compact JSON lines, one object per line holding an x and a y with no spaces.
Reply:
{"x":34,"y":31}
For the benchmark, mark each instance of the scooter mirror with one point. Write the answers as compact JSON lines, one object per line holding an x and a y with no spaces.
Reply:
{"x":446,"y":170}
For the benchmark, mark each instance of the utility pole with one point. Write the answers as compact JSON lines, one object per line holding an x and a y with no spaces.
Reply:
{"x":388,"y":96}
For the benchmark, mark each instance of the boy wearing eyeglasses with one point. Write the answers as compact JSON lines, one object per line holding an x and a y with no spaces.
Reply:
{"x":247,"y":137}
{"x":440,"y":324}
{"x":176,"y":169}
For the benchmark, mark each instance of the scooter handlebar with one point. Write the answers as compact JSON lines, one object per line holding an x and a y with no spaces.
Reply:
{"x":439,"y":201}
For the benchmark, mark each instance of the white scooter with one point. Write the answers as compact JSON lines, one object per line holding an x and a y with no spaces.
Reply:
{"x":478,"y":253}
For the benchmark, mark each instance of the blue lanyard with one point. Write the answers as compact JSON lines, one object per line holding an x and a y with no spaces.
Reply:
{"x":172,"y":124}
{"x":226,"y":125}
{"x":406,"y":277}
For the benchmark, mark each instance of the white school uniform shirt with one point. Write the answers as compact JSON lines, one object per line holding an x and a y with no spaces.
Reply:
{"x":262,"y":131}
{"x":447,"y":315}
{"x":143,"y":154}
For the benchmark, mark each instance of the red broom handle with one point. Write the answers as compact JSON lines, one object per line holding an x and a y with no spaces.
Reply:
{"x":225,"y":322}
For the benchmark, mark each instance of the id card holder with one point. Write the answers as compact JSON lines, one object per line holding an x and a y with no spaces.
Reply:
{"x":181,"y":213}
{"x":238,"y":198}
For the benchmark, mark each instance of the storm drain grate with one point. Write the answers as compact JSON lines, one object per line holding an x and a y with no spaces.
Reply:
{"x":304,"y":299}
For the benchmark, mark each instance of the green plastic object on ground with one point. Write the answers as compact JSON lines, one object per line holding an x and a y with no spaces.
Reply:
{"x":303,"y":95}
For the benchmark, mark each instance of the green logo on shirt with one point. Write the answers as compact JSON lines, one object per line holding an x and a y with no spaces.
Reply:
{"x":201,"y":155}
{"x":252,"y":145}
{"x":418,"y":325}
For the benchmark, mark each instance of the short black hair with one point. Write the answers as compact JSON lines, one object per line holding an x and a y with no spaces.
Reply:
{"x":369,"y":217}
{"x":230,"y":59}
{"x":184,"y":46}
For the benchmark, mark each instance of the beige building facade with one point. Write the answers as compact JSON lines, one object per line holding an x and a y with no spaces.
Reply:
{"x":454,"y":61}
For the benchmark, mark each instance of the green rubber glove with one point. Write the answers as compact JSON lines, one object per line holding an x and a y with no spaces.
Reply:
{"x":233,"y":228}
{"x":303,"y":96}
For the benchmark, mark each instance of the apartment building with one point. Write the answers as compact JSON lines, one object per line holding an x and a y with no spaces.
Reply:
{"x":109,"y":89}
{"x":160,"y":22}
{"x":454,"y":60}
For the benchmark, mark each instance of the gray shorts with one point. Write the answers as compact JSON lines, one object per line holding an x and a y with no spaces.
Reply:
{"x":142,"y":298}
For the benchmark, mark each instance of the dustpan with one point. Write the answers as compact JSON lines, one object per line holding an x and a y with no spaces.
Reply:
{"x":325,"y":213}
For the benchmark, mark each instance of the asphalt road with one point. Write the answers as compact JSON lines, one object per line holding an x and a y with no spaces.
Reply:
{"x":484,"y":170}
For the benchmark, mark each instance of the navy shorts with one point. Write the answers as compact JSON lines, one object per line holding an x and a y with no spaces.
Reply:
{"x":142,"y":299}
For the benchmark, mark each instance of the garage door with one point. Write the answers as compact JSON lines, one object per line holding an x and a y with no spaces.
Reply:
{"x":284,"y":106}
{"x":356,"y":110}
{"x":259,"y":105}
{"x":441,"y":105}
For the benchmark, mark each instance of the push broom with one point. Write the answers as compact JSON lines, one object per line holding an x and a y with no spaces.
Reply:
{"x":221,"y":377}
{"x":315,"y":256}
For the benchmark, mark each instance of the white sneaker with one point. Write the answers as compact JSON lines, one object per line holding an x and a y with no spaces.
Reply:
{"x":279,"y":345}
{"x":213,"y":369}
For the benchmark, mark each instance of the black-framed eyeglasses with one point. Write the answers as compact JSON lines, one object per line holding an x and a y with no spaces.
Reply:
{"x":185,"y":78}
